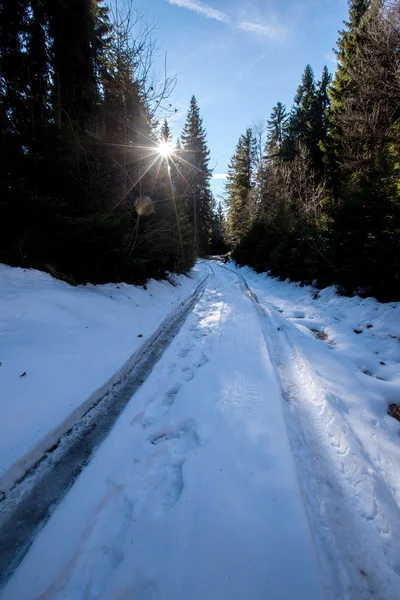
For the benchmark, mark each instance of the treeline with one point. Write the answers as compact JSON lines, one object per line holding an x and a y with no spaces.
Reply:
{"x":314,"y":194}
{"x":91,"y":187}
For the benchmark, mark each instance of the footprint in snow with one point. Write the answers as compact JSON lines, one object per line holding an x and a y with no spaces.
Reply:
{"x":172,"y":393}
{"x":183,"y":431}
{"x":158,"y":481}
{"x":156,"y":411}
{"x":202,"y":332}
{"x":202,"y":361}
{"x":187,"y":373}
{"x":183,"y":352}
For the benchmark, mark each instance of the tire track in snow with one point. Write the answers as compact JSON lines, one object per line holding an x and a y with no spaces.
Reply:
{"x":99,"y":552}
{"x":33,"y":499}
{"x":347,"y":501}
{"x":192,"y":459}
{"x":158,"y":477}
{"x":157,"y":482}
{"x":159,"y":407}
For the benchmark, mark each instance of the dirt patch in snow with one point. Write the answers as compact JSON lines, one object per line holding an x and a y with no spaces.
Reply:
{"x":394,"y":411}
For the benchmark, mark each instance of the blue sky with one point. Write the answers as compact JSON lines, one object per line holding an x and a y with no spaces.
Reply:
{"x":240,"y":58}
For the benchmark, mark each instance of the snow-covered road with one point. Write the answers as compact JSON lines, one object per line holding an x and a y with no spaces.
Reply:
{"x":257,"y":460}
{"x":195,"y":492}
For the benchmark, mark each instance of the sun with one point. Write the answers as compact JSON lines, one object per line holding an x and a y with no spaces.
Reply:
{"x":165,"y":149}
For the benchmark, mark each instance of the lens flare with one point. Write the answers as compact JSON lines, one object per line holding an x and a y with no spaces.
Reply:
{"x":165,"y":149}
{"x":144,"y":206}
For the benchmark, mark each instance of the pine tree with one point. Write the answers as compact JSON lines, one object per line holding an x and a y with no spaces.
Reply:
{"x":37,"y":67}
{"x":195,"y":168}
{"x":239,"y":187}
{"x":307,"y":123}
{"x":72,"y":28}
{"x":276,"y":132}
{"x":260,"y":166}
{"x":80,"y":193}
{"x":14,"y":125}
{"x":322,"y":120}
{"x":304,"y":104}
{"x":303,"y":126}
{"x":166,"y":134}
{"x":331,"y":199}
{"x":13,"y":69}
{"x":340,"y":89}
{"x":366,"y":215}
{"x":218,"y":244}
{"x":126,"y":117}
{"x":165,"y":170}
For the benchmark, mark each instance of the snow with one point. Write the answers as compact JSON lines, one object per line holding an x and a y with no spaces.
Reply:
{"x":69,"y":341}
{"x":368,"y":361}
{"x":346,"y":445}
{"x":194,"y":494}
{"x":257,"y":460}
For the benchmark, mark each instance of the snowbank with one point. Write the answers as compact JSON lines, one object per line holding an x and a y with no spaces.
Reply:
{"x":58,"y":344}
{"x":352,"y":350}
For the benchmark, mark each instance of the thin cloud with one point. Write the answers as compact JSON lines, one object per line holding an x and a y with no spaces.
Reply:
{"x":220,"y":175}
{"x":203,"y":9}
{"x":270,"y":31}
{"x":265,"y":30}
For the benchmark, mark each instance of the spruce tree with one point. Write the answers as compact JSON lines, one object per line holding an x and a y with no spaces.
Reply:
{"x":38,"y":67}
{"x":366,"y":215}
{"x":166,"y":134}
{"x":331,"y":203}
{"x":72,"y":28}
{"x":340,"y":89}
{"x":218,"y":244}
{"x":14,"y":126}
{"x":14,"y":77}
{"x":239,"y":187}
{"x":195,"y":168}
{"x":276,"y":132}
{"x":304,"y":104}
{"x":307,"y":124}
{"x":322,"y":119}
{"x":303,"y":126}
{"x":82,"y":192}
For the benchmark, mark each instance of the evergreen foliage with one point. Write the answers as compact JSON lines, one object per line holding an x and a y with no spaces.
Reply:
{"x":197,"y":175}
{"x":277,"y":128}
{"x":166,"y":134}
{"x":330,"y":203}
{"x":84,"y":192}
{"x":239,"y":187}
{"x":219,"y":231}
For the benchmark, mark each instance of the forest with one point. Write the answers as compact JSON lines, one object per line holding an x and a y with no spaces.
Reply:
{"x":314,"y":191}
{"x":94,"y":188}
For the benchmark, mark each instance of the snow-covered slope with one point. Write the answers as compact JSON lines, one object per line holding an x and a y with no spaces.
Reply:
{"x":353,"y":348}
{"x":58,"y":344}
{"x":338,"y":360}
